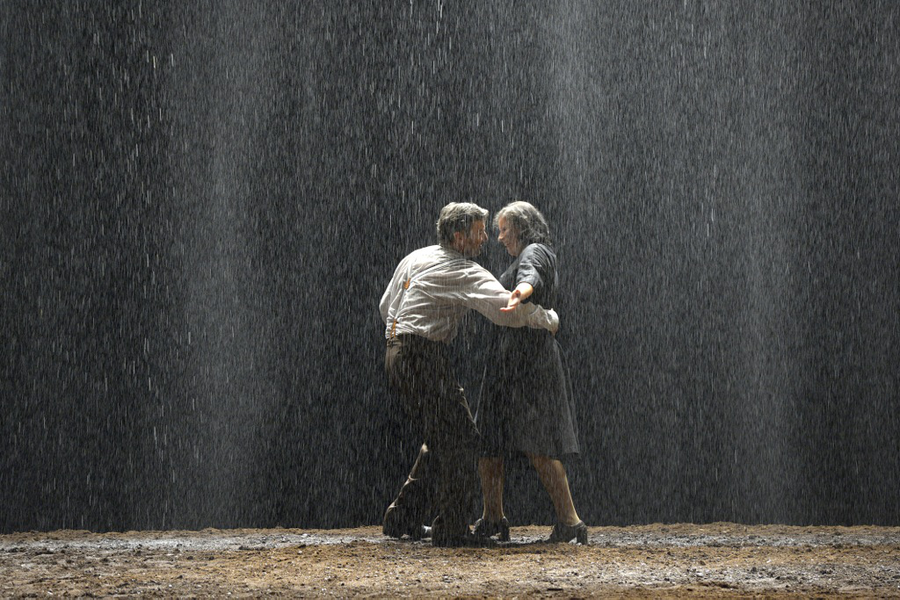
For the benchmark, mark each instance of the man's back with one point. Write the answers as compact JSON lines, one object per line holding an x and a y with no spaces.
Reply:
{"x":433,"y":287}
{"x":426,"y":295}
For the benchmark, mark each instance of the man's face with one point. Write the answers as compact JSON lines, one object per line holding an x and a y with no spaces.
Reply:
{"x":470,"y":245}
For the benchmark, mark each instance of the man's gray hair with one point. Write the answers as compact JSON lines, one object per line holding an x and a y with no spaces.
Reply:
{"x":458,"y":216}
{"x":527,"y":221}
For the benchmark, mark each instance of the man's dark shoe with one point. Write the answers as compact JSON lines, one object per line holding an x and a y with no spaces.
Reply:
{"x":396,"y":523}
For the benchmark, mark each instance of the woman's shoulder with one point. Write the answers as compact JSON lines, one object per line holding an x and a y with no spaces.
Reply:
{"x":538,"y":251}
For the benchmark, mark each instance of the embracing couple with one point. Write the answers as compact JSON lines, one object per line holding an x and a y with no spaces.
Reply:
{"x":526,"y":403}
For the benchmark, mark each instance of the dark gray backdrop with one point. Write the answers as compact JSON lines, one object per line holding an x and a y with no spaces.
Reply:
{"x":202,"y":203}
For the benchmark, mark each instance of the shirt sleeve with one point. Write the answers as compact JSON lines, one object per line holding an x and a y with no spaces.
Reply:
{"x":384,"y":306}
{"x":385,"y":303}
{"x":532,"y":265}
{"x":482,"y":292}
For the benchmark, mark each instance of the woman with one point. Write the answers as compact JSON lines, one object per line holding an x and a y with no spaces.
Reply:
{"x":526,"y":402}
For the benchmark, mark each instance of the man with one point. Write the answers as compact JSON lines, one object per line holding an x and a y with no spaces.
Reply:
{"x":430,"y":292}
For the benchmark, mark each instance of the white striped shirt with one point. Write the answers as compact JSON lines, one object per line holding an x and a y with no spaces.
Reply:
{"x":433,"y":287}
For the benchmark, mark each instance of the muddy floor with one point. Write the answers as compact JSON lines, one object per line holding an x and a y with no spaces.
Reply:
{"x":720,"y":560}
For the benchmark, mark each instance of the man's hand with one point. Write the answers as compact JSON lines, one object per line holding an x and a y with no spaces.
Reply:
{"x":514,"y":299}
{"x":522,"y":291}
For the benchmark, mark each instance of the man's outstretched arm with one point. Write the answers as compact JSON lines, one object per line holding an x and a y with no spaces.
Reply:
{"x":482,"y":292}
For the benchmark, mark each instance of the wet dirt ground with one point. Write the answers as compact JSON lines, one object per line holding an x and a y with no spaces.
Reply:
{"x":720,"y":560}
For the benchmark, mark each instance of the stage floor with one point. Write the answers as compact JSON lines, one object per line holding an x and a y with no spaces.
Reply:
{"x":721,"y":560}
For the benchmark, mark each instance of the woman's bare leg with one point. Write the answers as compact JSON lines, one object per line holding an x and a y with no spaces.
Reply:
{"x":491,"y":471}
{"x":553,"y":476}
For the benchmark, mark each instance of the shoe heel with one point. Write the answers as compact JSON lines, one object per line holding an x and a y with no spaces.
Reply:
{"x":582,"y":536}
{"x":503,"y":531}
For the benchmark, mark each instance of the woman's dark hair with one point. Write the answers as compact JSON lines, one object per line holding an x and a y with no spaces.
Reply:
{"x":528,"y":222}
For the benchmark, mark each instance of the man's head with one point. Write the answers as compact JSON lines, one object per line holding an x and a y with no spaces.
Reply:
{"x":461,"y":226}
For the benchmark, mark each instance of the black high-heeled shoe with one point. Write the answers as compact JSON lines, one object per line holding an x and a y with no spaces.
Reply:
{"x":486,"y":529}
{"x":566,"y":533}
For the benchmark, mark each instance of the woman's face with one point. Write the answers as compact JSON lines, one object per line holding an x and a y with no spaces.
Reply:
{"x":508,"y":236}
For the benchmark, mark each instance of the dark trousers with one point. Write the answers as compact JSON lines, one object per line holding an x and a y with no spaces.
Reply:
{"x":415,"y":505}
{"x":436,"y":405}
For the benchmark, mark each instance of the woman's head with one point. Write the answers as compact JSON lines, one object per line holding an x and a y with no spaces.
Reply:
{"x":519,"y":224}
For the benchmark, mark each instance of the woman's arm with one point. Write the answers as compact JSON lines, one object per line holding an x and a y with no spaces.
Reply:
{"x":475,"y":288}
{"x":522,"y":291}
